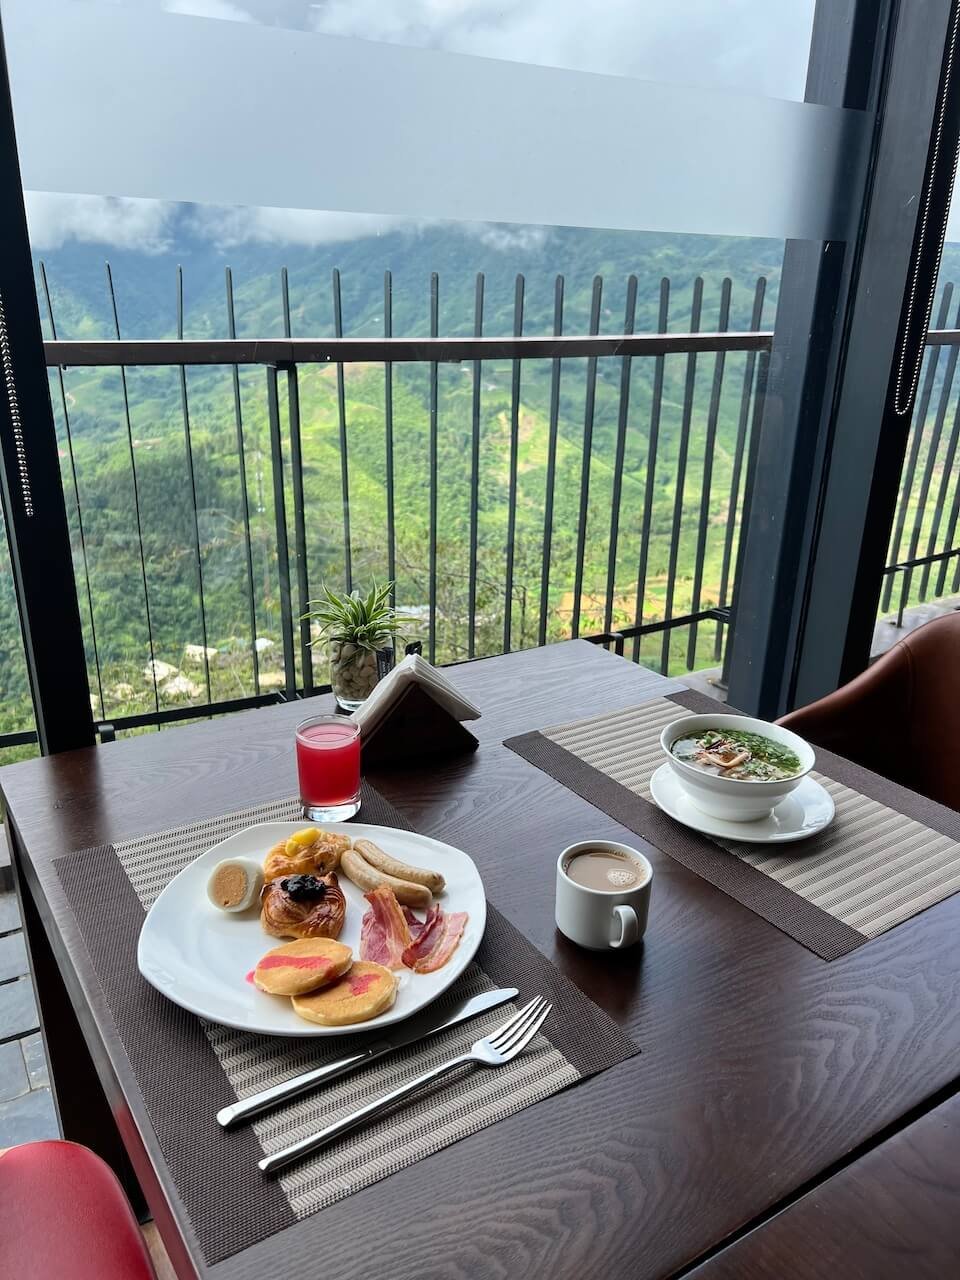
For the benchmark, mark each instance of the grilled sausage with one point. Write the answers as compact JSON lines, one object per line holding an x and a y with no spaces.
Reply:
{"x":373,"y":854}
{"x":366,"y":878}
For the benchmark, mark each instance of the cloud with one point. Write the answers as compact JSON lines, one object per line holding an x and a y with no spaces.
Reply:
{"x":118,"y":221}
{"x":227,"y":226}
{"x":209,"y":9}
{"x":744,"y":45}
{"x":154,"y":226}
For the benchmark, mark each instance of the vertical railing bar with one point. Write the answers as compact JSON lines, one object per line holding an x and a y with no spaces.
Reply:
{"x":388,"y":440}
{"x":76,"y":492}
{"x":285,"y":302}
{"x":653,"y":444}
{"x":944,"y":566}
{"x":300,"y":528}
{"x":136,"y":492}
{"x":623,"y":413}
{"x":918,"y":423}
{"x":753,"y":450}
{"x":551,"y":479}
{"x":280,"y":522}
{"x":932,"y":450}
{"x":244,"y":495}
{"x":684,"y":445}
{"x":191,"y":476}
{"x":710,"y":441}
{"x":512,"y":484}
{"x":475,"y":474}
{"x":299,"y":505}
{"x":738,"y":455}
{"x":432,"y":467}
{"x":942,"y":490}
{"x":342,"y":416}
{"x":588,"y":412}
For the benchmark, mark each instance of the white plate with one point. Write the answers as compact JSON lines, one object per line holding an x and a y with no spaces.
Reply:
{"x":199,"y":957}
{"x":804,"y":812}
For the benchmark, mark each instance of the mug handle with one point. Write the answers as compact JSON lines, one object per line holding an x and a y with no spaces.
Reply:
{"x":629,"y":927}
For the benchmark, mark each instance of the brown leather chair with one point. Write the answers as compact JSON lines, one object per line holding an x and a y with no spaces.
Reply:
{"x":900,"y":717}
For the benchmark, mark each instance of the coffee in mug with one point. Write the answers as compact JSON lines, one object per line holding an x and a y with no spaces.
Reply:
{"x":605,"y":870}
{"x":603,"y":894}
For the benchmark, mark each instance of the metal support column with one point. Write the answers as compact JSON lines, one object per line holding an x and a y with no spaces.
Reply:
{"x":847,"y":342}
{"x":37,"y":531}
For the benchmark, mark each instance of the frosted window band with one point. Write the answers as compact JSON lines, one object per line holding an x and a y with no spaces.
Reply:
{"x":190,"y":109}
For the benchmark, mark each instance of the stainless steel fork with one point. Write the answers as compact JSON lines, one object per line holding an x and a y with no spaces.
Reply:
{"x":494,"y":1050}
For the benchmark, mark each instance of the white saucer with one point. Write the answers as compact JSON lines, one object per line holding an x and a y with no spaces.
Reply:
{"x":801,"y":814}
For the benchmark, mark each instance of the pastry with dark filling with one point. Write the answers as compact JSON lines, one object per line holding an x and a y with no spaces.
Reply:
{"x":304,"y":906}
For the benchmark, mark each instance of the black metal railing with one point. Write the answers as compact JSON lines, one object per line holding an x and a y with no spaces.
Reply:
{"x":924,"y":557}
{"x":586,"y":485}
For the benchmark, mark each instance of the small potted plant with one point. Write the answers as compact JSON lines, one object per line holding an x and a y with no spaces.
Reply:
{"x":359,"y":633}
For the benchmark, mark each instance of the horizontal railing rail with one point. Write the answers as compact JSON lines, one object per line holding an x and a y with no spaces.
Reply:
{"x":288,"y":351}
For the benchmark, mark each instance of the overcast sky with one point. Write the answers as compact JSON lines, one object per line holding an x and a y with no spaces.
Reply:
{"x":754,"y":46}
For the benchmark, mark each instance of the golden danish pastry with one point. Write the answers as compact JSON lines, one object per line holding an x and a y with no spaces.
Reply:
{"x":366,"y":990}
{"x":308,"y":852}
{"x":303,"y":906}
{"x":302,"y":966}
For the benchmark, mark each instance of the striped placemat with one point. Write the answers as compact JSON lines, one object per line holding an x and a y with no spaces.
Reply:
{"x":888,"y":854}
{"x":188,"y":1069}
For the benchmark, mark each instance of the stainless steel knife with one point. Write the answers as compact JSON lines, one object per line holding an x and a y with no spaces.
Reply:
{"x":419,"y":1027}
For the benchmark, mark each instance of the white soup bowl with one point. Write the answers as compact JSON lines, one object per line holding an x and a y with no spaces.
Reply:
{"x":734,"y":799}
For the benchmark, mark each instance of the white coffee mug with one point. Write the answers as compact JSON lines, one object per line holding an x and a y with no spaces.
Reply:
{"x":598,"y":919}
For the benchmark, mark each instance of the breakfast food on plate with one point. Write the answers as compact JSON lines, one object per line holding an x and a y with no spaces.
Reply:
{"x":303,"y":906}
{"x":367,"y":877}
{"x":385,"y":933}
{"x":364,"y":991}
{"x":395,"y":937}
{"x":307,"y":852}
{"x":737,"y":753}
{"x":235,"y":884}
{"x":305,"y":965}
{"x":375,"y":856}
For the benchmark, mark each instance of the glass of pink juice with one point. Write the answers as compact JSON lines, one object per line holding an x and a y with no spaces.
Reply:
{"x":328,"y":763}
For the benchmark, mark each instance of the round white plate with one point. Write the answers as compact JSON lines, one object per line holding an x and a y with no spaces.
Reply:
{"x":804,"y":812}
{"x":199,"y":957}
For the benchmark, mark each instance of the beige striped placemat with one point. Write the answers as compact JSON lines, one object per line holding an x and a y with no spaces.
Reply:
{"x":888,"y":854}
{"x":188,"y":1068}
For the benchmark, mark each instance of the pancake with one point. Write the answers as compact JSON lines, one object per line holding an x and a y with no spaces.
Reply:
{"x":302,"y":966}
{"x":367,"y":990}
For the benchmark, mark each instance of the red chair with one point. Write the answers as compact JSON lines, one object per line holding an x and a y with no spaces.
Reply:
{"x":63,"y":1216}
{"x":900,"y":717}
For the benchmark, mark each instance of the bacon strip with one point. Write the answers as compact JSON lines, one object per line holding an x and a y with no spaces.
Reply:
{"x":437,"y":941}
{"x":384,"y":934}
{"x":414,"y":923}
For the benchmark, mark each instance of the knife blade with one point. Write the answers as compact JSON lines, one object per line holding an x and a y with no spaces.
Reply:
{"x":419,"y":1027}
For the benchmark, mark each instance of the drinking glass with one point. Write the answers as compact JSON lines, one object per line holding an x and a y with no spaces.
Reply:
{"x":328,"y":764}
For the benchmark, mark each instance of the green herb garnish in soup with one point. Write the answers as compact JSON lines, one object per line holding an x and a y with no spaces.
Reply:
{"x":735,"y":753}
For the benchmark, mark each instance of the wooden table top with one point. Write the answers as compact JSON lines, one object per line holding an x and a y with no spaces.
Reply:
{"x":761,"y":1065}
{"x":895,"y":1212}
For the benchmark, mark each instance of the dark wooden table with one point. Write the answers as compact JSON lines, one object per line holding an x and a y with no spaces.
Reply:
{"x":762,"y":1067}
{"x":895,"y":1212}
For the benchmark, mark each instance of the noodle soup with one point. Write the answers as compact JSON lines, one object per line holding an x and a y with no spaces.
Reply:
{"x":737,"y":753}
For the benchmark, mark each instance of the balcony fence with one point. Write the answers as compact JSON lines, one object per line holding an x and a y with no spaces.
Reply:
{"x":518,"y":489}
